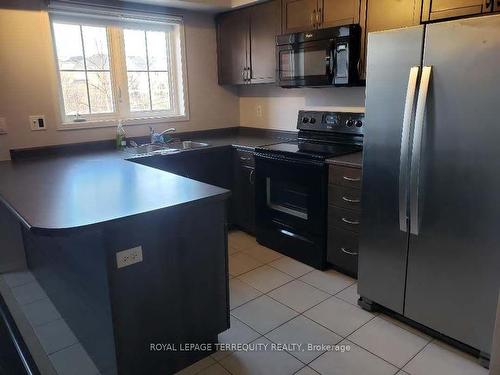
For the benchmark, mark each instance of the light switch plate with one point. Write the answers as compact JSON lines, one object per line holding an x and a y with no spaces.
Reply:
{"x":128,"y":257}
{"x":3,"y":126}
{"x":37,"y":122}
{"x":258,"y":109}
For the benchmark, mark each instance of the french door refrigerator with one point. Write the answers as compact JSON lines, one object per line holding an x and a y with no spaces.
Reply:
{"x":430,"y":236}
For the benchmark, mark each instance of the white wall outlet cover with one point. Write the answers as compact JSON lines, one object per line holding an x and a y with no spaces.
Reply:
{"x":128,"y":257}
{"x":37,"y":122}
{"x":3,"y":126}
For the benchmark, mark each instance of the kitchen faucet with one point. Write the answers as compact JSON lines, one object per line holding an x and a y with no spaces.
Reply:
{"x":158,"y":137}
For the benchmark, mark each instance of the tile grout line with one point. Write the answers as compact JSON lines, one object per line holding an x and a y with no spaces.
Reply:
{"x":417,"y":353}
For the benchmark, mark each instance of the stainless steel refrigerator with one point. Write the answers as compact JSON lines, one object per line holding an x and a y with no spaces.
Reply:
{"x":430,"y":236}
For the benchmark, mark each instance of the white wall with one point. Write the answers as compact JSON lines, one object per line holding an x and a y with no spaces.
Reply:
{"x":28,"y":77}
{"x":280,"y":106}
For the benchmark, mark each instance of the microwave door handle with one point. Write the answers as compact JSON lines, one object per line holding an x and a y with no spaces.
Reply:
{"x":331,"y":62}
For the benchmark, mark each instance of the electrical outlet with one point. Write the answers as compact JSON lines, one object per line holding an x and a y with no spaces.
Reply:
{"x":37,"y":122}
{"x":128,"y":257}
{"x":3,"y":126}
{"x":258,"y":109}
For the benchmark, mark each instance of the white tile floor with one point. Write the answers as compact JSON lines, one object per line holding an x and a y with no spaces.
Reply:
{"x":65,"y":355}
{"x":275,"y":299}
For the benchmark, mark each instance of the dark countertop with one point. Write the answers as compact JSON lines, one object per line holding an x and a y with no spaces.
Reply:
{"x":350,"y":160}
{"x":78,"y":191}
{"x":61,"y":192}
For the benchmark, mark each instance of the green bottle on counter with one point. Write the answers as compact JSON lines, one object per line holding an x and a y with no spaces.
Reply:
{"x":121,"y":139}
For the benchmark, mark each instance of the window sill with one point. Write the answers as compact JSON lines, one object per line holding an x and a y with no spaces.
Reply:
{"x":93,"y":124}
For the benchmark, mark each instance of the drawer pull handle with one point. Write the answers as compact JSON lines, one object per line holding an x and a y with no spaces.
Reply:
{"x":344,"y":250}
{"x":353,"y":179}
{"x":244,"y":158}
{"x":350,"y":200}
{"x":350,"y":221}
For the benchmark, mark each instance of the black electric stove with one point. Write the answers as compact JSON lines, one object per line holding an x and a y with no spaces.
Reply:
{"x":291,"y":184}
{"x":311,"y":149}
{"x":322,"y":135}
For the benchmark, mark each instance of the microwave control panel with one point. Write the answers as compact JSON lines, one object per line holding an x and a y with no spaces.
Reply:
{"x":339,"y":122}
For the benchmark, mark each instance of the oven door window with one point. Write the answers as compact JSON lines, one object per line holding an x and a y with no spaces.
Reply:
{"x":288,"y":198}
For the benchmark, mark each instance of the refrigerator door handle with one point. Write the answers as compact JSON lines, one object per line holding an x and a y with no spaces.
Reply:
{"x":405,"y":145}
{"x":417,"y":149}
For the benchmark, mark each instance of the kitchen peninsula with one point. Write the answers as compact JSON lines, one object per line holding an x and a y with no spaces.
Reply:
{"x":78,"y":212}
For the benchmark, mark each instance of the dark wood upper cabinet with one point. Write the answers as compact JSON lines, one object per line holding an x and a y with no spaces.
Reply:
{"x":339,"y":12}
{"x":299,"y":15}
{"x":303,"y":15}
{"x":246,"y":42}
{"x":233,"y":32}
{"x":379,"y":15}
{"x":496,"y":6}
{"x":392,"y":14}
{"x":265,"y":24}
{"x":443,"y":9}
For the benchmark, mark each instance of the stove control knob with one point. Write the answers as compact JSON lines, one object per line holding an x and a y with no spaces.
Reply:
{"x":359,"y":123}
{"x":312,"y":120}
{"x":305,"y":120}
{"x":349,"y":123}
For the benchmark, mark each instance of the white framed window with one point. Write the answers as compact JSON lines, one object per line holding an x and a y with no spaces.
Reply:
{"x":118,"y":66}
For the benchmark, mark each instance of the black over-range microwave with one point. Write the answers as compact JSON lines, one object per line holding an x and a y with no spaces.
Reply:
{"x":326,"y":57}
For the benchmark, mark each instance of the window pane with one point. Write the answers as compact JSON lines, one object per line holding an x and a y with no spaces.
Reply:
{"x":101,"y":95}
{"x":157,"y":50}
{"x":68,"y":46}
{"x":160,"y":92}
{"x":135,"y":49}
{"x":96,"y":48}
{"x":74,"y":91}
{"x":138,"y":91}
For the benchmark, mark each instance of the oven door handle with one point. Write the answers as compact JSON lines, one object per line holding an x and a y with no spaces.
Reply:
{"x":280,"y":158}
{"x":295,"y":236}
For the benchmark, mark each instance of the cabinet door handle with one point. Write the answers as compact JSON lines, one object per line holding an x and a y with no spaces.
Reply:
{"x":351,"y":222}
{"x":318,"y":18}
{"x":249,"y":74}
{"x":350,"y":200}
{"x":344,"y":250}
{"x":353,"y":179}
{"x":251,"y":178}
{"x":313,"y":18}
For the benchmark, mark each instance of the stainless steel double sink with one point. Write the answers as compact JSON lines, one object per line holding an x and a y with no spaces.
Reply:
{"x":164,"y":148}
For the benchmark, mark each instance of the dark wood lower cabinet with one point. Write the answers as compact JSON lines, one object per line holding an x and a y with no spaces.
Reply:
{"x":244,"y":190}
{"x":344,"y":209}
{"x":225,"y":167}
{"x":342,"y":250}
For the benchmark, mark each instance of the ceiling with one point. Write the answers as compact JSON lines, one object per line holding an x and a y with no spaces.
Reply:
{"x":200,"y":5}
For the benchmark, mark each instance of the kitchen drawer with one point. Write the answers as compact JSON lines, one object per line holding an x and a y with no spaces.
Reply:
{"x":344,"y":197}
{"x":343,"y":219}
{"x":342,"y":250}
{"x":245,"y":157}
{"x":345,"y":176}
